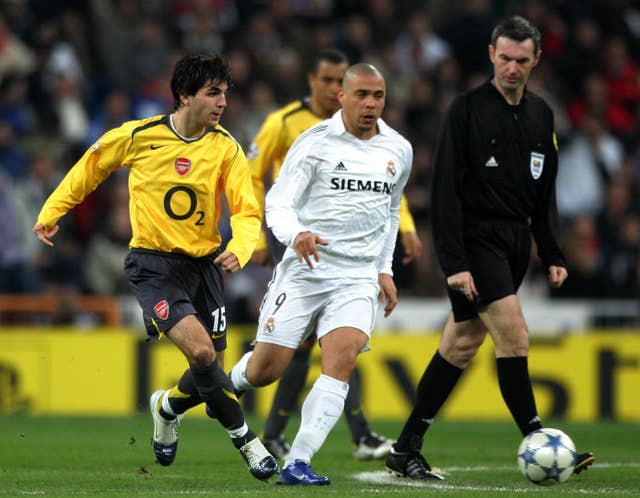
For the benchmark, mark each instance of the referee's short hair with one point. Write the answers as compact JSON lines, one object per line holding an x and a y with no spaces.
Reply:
{"x":519,"y":29}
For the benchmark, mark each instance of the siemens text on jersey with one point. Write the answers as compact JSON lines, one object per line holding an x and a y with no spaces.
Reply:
{"x":354,"y":184}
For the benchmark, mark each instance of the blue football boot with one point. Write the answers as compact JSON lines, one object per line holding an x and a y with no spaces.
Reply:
{"x":300,"y":472}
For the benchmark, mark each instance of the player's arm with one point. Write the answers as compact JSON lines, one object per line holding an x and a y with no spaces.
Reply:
{"x":265,"y":149}
{"x":388,"y":293}
{"x":245,"y":212}
{"x":447,"y":220}
{"x":411,"y":243}
{"x":293,"y":179}
{"x":97,"y":163}
{"x":544,"y":222}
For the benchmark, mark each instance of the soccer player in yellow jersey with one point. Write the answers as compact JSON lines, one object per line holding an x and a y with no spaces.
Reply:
{"x":179,"y":165}
{"x":280,"y":129}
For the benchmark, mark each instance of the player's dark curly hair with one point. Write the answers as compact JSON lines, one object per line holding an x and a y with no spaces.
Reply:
{"x":519,"y":29}
{"x":193,"y":71}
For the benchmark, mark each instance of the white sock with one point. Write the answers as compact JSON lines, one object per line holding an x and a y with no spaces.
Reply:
{"x":239,"y":374}
{"x":320,"y":411}
{"x":165,"y":404}
{"x":239,"y":432}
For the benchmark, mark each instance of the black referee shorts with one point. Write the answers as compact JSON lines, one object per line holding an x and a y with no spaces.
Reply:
{"x":498,"y":253}
{"x":171,"y":286}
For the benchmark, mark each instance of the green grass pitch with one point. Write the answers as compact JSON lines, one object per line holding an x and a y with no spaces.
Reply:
{"x":111,"y":457}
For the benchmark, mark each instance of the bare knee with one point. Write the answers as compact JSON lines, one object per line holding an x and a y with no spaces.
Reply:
{"x":261,"y":373}
{"x":461,"y":351}
{"x":260,"y":378}
{"x":202,"y":356}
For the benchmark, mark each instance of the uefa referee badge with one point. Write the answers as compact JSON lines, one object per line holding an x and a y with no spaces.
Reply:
{"x":536,"y":164}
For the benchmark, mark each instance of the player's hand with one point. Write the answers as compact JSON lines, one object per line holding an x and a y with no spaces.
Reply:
{"x":557,"y":275}
{"x":262,"y":257}
{"x":388,"y":293}
{"x":306,"y":245}
{"x":45,"y":234}
{"x":463,"y":282}
{"x":228,"y":262}
{"x":412,"y":246}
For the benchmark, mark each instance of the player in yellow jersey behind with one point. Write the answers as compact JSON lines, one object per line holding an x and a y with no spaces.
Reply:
{"x":179,"y":165}
{"x":280,"y":129}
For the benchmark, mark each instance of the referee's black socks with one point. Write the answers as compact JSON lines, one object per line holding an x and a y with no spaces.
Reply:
{"x":515,"y":386}
{"x":437,"y":382}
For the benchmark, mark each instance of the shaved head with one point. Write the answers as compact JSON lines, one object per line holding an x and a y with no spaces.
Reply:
{"x":360,"y":69}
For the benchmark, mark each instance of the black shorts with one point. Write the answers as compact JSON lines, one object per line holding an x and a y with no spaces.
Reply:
{"x":498,"y":253}
{"x":171,"y":286}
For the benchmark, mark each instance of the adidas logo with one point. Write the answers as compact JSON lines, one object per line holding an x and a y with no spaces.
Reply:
{"x":491,"y":163}
{"x":340,"y":167}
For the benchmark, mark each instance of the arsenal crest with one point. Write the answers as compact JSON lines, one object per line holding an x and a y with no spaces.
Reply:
{"x":162,"y":309}
{"x":536,"y":164}
{"x":391,"y":168}
{"x":182,"y":165}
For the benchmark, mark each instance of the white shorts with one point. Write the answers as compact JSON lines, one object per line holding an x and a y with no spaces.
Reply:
{"x":295,"y":306}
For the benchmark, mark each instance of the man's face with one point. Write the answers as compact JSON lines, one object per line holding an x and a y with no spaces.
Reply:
{"x":324,"y":85}
{"x":362,"y":98}
{"x":206,"y":107}
{"x":512,"y":63}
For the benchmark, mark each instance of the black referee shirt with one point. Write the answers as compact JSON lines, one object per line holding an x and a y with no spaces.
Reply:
{"x":495,"y":161}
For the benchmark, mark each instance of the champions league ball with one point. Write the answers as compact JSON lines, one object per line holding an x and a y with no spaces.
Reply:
{"x":547,"y":457}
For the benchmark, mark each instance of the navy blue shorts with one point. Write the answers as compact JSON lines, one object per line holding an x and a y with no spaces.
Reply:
{"x":498,"y":253}
{"x":171,"y":286}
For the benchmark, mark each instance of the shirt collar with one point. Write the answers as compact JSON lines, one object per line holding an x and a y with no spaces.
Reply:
{"x":337,"y":127}
{"x":493,"y":90}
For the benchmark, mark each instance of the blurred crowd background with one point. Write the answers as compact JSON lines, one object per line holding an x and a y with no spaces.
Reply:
{"x":70,"y":70}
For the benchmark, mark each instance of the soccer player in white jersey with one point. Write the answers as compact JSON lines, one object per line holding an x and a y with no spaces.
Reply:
{"x":335,"y":206}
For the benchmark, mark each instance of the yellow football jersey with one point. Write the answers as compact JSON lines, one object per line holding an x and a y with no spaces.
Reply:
{"x":175,"y":187}
{"x":269,"y":148}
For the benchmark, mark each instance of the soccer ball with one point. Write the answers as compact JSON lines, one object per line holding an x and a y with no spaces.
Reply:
{"x":547,"y":457}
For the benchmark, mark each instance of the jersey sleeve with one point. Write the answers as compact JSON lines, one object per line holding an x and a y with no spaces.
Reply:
{"x":385,"y":258}
{"x":98,"y":162}
{"x":266,"y":148}
{"x":449,"y":163}
{"x":293,"y":179}
{"x":544,"y":222}
{"x":407,"y":224}
{"x":245,"y":211}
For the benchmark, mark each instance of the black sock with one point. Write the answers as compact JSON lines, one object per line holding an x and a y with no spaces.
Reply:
{"x":189,"y":396}
{"x":216,"y":390}
{"x":289,"y":388}
{"x":437,"y":382}
{"x":515,"y":386}
{"x":356,"y":420}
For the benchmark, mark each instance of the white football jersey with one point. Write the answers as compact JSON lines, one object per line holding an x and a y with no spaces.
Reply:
{"x":345,"y":190}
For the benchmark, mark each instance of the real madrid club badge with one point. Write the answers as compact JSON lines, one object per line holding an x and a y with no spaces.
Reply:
{"x":391,"y":168}
{"x":536,"y":164}
{"x":270,"y":325}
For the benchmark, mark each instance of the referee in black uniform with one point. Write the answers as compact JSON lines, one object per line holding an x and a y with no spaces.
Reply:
{"x":494,"y":185}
